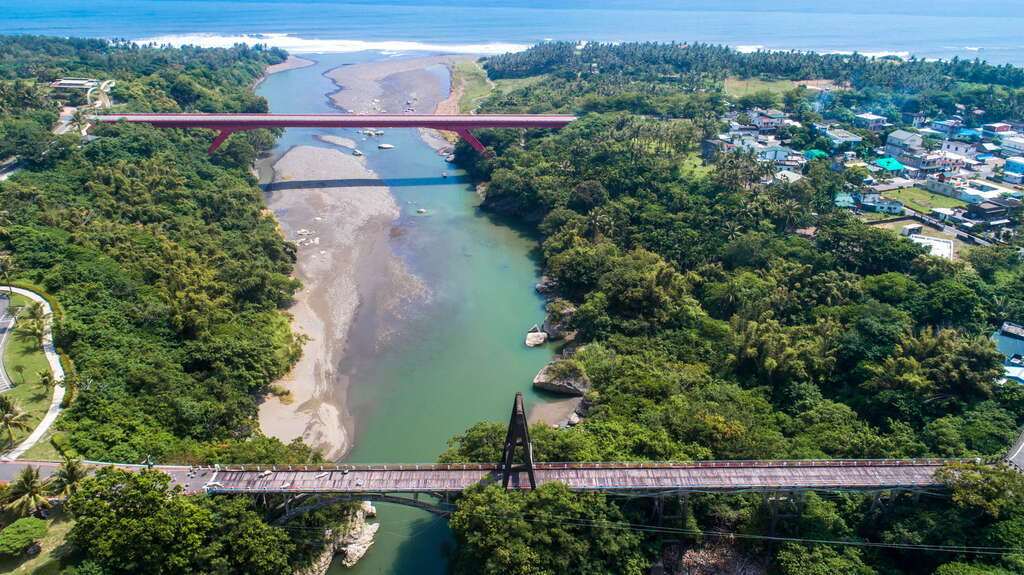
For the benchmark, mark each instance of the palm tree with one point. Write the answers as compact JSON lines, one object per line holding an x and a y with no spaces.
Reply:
{"x":33,"y":328}
{"x":67,"y":477}
{"x":6,"y":262}
{"x":46,"y":379}
{"x":26,"y":496}
{"x":79,"y":122}
{"x":37,"y":312}
{"x":12,"y":417}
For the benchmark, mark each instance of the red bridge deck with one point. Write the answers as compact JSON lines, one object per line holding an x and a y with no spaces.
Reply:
{"x":228,"y":123}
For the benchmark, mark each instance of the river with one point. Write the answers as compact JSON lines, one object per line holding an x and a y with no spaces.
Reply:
{"x":450,"y":361}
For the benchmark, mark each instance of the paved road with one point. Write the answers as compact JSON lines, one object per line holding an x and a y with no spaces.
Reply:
{"x":53,"y":359}
{"x":6,"y":327}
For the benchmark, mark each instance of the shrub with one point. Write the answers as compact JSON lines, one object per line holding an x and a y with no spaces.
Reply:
{"x":18,"y":536}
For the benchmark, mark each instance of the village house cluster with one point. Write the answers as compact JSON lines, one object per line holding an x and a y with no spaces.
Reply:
{"x":980,"y":165}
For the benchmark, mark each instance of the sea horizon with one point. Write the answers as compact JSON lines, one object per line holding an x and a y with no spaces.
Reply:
{"x":940,"y":29}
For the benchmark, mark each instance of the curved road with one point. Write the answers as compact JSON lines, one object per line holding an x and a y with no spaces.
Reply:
{"x":56,"y":368}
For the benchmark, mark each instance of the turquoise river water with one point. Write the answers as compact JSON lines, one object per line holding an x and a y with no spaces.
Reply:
{"x":456,"y":360}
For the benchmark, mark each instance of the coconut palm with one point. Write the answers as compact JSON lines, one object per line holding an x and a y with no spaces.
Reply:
{"x":46,"y":379}
{"x":67,"y":477}
{"x":12,"y":417}
{"x":33,"y":328}
{"x":6,"y":262}
{"x":27,"y":493}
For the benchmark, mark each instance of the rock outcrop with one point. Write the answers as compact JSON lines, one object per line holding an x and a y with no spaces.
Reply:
{"x":562,"y":376}
{"x":359,"y":536}
{"x":353,"y":542}
{"x":546,"y":285}
{"x":535,"y":336}
{"x":556,"y":323}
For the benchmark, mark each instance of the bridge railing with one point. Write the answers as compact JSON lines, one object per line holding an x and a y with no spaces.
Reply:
{"x":598,"y":465}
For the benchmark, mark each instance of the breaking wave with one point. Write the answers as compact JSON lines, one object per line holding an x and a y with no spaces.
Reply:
{"x":299,"y":45}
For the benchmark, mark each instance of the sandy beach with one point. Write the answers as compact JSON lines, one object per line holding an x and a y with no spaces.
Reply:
{"x":290,"y":63}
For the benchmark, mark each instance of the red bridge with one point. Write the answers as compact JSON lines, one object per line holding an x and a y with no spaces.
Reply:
{"x":461,"y":124}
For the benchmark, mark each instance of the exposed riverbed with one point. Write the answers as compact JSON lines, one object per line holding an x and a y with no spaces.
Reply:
{"x":436,"y":304}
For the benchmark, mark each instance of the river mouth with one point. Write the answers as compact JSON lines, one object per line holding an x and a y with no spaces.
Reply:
{"x":445,"y":295}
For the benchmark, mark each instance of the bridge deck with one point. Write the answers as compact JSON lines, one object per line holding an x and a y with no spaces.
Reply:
{"x":698,"y":476}
{"x":251,"y":121}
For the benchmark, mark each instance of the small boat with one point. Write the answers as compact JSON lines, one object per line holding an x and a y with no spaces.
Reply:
{"x":356,"y":153}
{"x":444,"y":174}
{"x":378,"y":133}
{"x":385,"y":147}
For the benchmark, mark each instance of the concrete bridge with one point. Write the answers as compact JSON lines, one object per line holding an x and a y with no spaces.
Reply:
{"x":226,"y":124}
{"x":406,"y":483}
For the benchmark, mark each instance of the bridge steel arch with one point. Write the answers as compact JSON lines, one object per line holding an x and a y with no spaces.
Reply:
{"x":443,"y":510}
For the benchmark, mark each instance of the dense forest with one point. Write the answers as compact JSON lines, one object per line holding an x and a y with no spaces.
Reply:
{"x":709,"y":329}
{"x":171,"y":277}
{"x":646,"y":78}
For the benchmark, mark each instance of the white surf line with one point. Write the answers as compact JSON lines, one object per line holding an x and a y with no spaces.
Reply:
{"x":52,"y":358}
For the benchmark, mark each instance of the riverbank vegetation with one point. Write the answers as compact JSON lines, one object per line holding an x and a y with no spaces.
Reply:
{"x":172,"y":278}
{"x":712,"y":329}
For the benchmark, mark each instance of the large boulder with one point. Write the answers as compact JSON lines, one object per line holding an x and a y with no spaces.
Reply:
{"x":556,"y":323}
{"x":562,"y":376}
{"x":535,"y":336}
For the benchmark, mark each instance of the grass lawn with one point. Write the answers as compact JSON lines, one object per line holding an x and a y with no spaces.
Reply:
{"x":45,"y":451}
{"x":921,"y":200}
{"x":475,"y":85}
{"x":694,"y":167}
{"x":23,"y":361}
{"x":53,"y":548}
{"x":873,"y":216}
{"x":739,"y":87}
{"x":512,"y":84}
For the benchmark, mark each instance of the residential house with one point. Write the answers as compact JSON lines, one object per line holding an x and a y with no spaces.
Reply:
{"x":997,"y":130}
{"x":838,"y":135}
{"x":1013,"y":170}
{"x":947,"y":127}
{"x":922,"y":161}
{"x":767,"y":120}
{"x":900,"y":140}
{"x":959,"y":147}
{"x":872,"y":122}
{"x":994,"y":213}
{"x":873,"y":202}
{"x":970,"y":191}
{"x":915,"y":119}
{"x":891,"y":166}
{"x":1013,"y":147}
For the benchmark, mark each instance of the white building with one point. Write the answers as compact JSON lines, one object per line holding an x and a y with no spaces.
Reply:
{"x":939,"y":247}
{"x":1013,"y":146}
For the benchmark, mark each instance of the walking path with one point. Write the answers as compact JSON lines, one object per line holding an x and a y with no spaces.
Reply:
{"x":58,"y":375}
{"x":6,"y":327}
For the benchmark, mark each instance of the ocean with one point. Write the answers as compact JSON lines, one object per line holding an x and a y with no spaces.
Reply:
{"x":924,"y":28}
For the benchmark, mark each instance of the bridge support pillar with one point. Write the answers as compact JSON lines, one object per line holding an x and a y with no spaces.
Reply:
{"x":221,"y":136}
{"x":465,"y":134}
{"x":518,"y":436}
